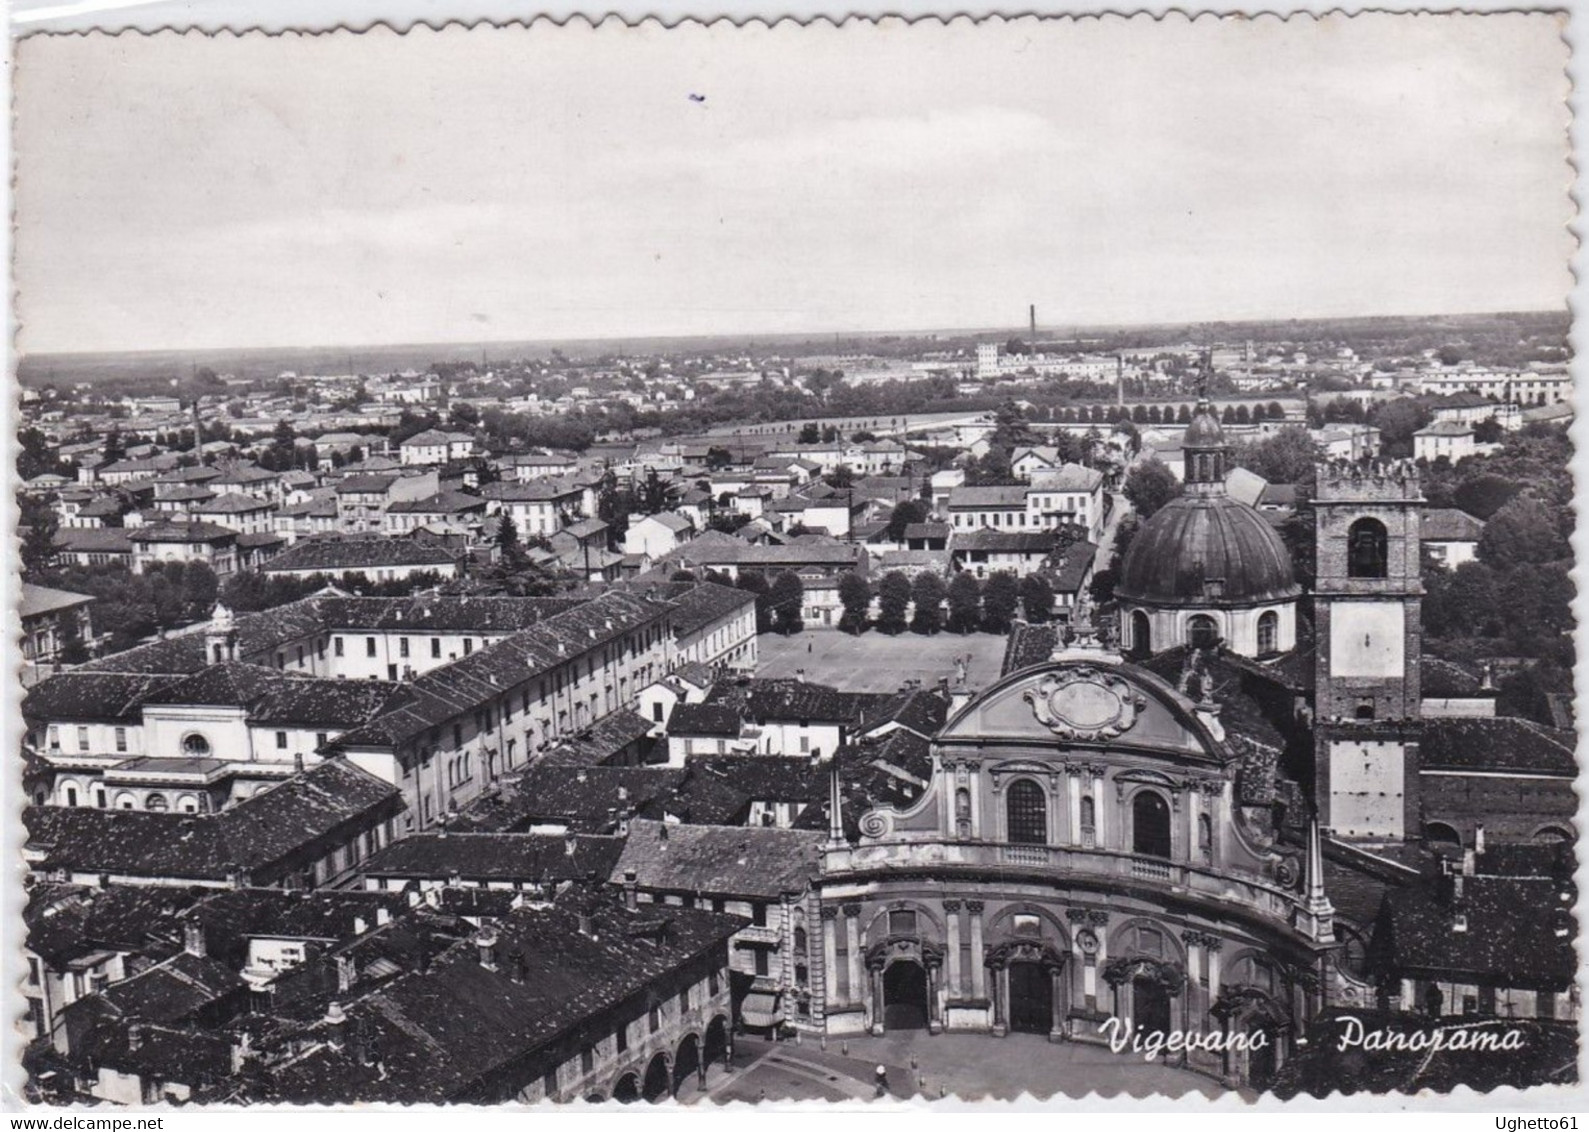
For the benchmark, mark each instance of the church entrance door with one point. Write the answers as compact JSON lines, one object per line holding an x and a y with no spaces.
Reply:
{"x":1031,"y":998}
{"x":905,"y":996}
{"x":1261,"y":1055}
{"x":1150,"y":1006}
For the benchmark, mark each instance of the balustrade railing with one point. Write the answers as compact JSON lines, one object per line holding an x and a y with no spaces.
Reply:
{"x":1198,"y":877}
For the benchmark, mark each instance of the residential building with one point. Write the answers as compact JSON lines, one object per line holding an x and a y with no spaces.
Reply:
{"x":379,"y":559}
{"x":434,"y":447}
{"x":362,"y":498}
{"x":539,"y":508}
{"x":50,"y":620}
{"x":1447,"y":439}
{"x":656,"y":536}
{"x":1451,"y":536}
{"x":762,"y":875}
{"x":309,"y":831}
{"x":213,"y":545}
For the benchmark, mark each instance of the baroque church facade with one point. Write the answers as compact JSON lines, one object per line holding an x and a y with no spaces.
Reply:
{"x":1145,"y":839}
{"x":1084,"y":852}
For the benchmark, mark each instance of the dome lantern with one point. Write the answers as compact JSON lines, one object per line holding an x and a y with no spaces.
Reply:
{"x":1206,"y":452}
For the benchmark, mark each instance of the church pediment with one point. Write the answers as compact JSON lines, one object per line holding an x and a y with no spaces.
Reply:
{"x":1070,"y":703}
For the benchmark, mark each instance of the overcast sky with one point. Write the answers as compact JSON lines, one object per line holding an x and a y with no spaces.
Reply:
{"x":474,"y":185}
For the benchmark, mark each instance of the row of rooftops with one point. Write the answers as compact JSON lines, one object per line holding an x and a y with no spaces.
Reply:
{"x":258,"y":840}
{"x":398,"y":998}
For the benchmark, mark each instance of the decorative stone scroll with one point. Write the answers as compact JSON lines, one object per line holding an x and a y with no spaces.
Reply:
{"x":1024,"y":951}
{"x":876,"y":823}
{"x":880,"y":954}
{"x":1085,"y":703}
{"x":1170,"y":976}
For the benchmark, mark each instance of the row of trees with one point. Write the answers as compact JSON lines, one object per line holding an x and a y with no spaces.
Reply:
{"x":927,"y":605}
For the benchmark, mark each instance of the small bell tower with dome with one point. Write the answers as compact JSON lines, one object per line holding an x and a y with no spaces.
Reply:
{"x":220,"y":636}
{"x":1205,"y":452}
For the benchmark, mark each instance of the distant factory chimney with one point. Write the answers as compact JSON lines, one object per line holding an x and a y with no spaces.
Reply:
{"x":1031,"y":318}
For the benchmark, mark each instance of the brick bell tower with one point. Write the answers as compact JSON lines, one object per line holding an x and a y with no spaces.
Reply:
{"x":1368,"y":608}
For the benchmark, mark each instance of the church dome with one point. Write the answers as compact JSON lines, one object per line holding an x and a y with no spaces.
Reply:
{"x":1206,"y":550}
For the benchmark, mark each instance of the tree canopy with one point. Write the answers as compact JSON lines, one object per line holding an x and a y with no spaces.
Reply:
{"x":1149,"y":486}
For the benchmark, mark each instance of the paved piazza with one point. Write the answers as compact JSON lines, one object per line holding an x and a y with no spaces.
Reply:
{"x":875,"y":662}
{"x":964,"y":1065}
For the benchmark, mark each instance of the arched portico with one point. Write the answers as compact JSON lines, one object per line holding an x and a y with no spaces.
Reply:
{"x":896,"y":995}
{"x":658,"y":1083}
{"x":1258,"y":1032}
{"x":1029,"y":991}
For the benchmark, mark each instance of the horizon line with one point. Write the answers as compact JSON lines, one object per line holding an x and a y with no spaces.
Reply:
{"x":1015,"y":329}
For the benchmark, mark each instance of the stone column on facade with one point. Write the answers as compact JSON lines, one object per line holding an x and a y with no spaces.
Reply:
{"x":1194,"y":967}
{"x":1001,"y":1007}
{"x":830,"y":955}
{"x":1073,"y":790}
{"x":1099,"y":923}
{"x":1192,"y":808}
{"x":979,"y":973}
{"x":786,"y":949}
{"x":852,"y":940}
{"x":1221,"y":810}
{"x":1100,"y":810}
{"x":974,"y":783}
{"x":1056,"y":1025}
{"x":876,"y":1009}
{"x":951,"y":913}
{"x":1212,"y":944}
{"x":934,"y":1011}
{"x":946,"y":811}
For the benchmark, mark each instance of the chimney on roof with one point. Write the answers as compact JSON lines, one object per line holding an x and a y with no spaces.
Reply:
{"x":242,"y":1050}
{"x":580,"y":776}
{"x":570,"y":843}
{"x":1478,"y":840}
{"x":455,"y":879}
{"x":485,"y":942}
{"x":297,"y":762}
{"x":623,"y":793}
{"x":193,"y":939}
{"x":1467,"y":862}
{"x":336,"y":1021}
{"x":347,"y":973}
{"x":662,"y":833}
{"x":587,"y":925}
{"x":135,"y":1036}
{"x":631,"y":889}
{"x":383,"y":916}
{"x":516,"y":966}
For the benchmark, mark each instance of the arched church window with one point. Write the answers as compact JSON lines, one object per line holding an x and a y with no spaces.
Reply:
{"x":1268,"y":632}
{"x":1141,"y":632}
{"x":1026,"y":814}
{"x":1205,"y":839}
{"x":1202,"y":631}
{"x":1367,"y":551}
{"x":1089,"y":817}
{"x":1150,"y":825}
{"x":156,"y":802}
